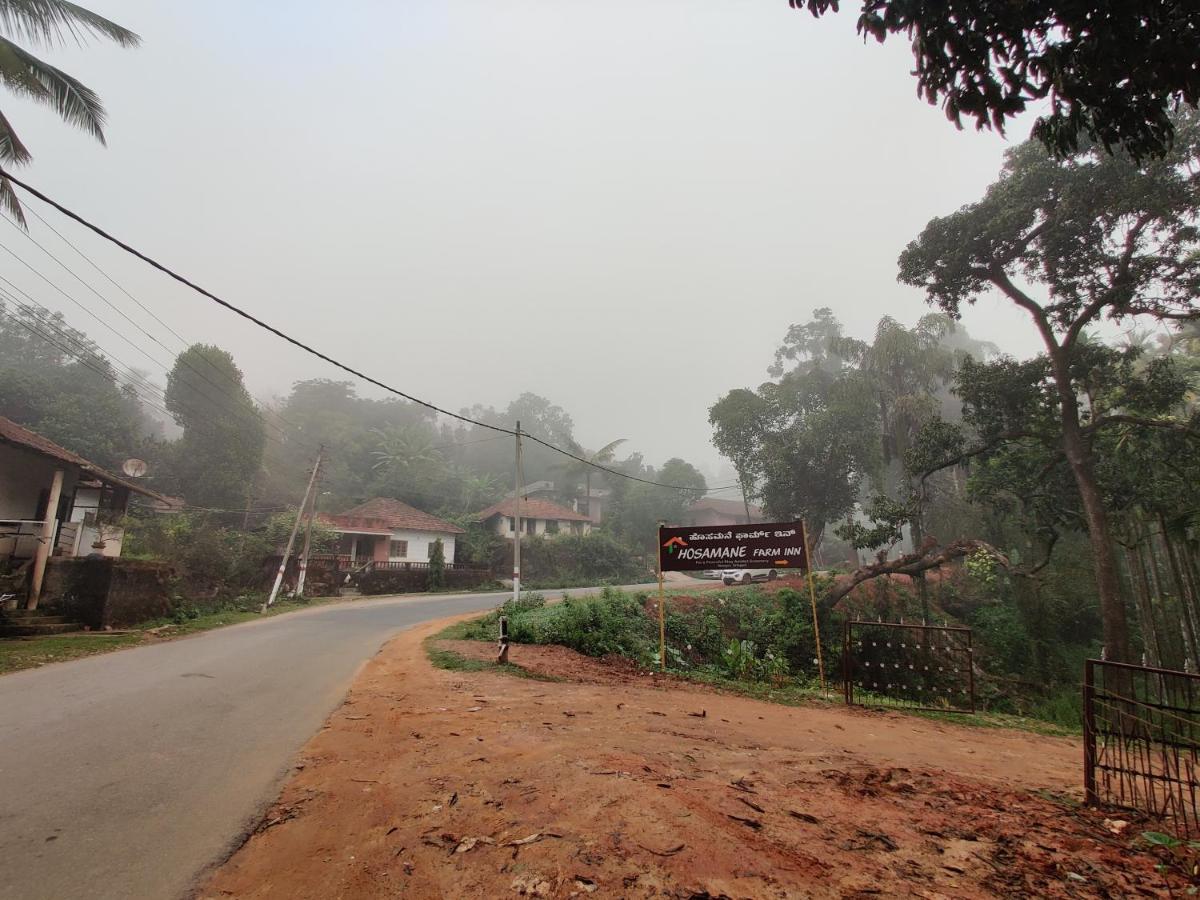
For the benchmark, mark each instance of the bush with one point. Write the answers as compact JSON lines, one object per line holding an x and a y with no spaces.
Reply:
{"x":573,"y":560}
{"x":415,"y":581}
{"x":613,"y":622}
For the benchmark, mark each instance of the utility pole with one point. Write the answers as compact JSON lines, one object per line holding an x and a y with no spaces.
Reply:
{"x":292,"y":538}
{"x":312,"y":512}
{"x":517,"y":522}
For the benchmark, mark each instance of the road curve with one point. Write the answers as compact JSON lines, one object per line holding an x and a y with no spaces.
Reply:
{"x":128,"y":774}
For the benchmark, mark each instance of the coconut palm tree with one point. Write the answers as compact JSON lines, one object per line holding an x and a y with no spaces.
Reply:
{"x":47,"y":23}
{"x":602,"y":457}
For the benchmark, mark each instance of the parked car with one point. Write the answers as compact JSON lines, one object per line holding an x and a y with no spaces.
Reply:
{"x":714,"y":574}
{"x":745,"y":576}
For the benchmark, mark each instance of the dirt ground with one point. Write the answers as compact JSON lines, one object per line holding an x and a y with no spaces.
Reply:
{"x":434,"y":783}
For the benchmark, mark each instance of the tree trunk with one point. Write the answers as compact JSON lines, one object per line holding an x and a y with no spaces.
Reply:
{"x":1184,"y":592}
{"x":1079,"y":458}
{"x":746,"y":501}
{"x":917,"y":534}
{"x":1142,"y":603}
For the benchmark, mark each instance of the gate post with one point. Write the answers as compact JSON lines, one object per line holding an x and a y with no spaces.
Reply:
{"x":847,"y":682}
{"x":971,"y":665}
{"x":1090,"y":798}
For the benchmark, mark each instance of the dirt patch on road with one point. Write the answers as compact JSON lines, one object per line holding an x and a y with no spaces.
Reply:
{"x":434,"y":783}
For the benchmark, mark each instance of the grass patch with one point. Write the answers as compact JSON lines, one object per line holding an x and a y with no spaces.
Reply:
{"x":444,"y":658}
{"x":998,"y":720}
{"x":205,"y":621}
{"x":742,"y":641}
{"x":31,"y":652}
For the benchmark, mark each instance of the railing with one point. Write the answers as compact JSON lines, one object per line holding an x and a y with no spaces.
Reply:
{"x":1141,"y":741}
{"x":20,"y":537}
{"x":903,"y":666}
{"x":362,"y":565}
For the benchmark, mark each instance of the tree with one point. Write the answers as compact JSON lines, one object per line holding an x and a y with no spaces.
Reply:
{"x":737,"y":420}
{"x":55,"y":380}
{"x":221,"y":450}
{"x":46,"y":23}
{"x":1071,"y":242}
{"x":821,"y":441}
{"x":602,"y":457}
{"x":638,"y":508}
{"x":1111,"y":71}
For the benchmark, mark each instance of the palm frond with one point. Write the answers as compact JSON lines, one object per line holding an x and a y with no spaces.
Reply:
{"x":49,"y":22}
{"x":11,"y":204}
{"x":75,"y":102}
{"x":12,"y":150}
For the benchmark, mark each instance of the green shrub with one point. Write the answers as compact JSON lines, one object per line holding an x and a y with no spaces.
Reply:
{"x":613,"y":622}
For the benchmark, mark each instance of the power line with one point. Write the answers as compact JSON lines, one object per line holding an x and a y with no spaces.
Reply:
{"x":312,"y":350}
{"x":216,"y":402}
{"x":184,"y":342}
{"x":95,"y":361}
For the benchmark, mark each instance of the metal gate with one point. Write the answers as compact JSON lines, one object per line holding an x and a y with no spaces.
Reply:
{"x":1141,"y":741}
{"x":894,"y":665}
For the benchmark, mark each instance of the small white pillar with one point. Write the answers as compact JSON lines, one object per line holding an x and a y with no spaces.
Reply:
{"x":46,"y":543}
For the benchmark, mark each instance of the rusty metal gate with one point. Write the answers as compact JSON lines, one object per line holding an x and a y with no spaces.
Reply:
{"x":895,"y":665}
{"x":1141,"y":733}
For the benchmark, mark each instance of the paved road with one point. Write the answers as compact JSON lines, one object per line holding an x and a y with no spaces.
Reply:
{"x":126,"y":775}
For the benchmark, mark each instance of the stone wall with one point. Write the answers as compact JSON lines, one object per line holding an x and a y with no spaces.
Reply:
{"x":106,"y":592}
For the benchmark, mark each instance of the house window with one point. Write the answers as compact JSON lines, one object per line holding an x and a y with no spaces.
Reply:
{"x":512,"y":524}
{"x":399,"y":548}
{"x":429,"y":549}
{"x":531,"y":526}
{"x":552,"y":526}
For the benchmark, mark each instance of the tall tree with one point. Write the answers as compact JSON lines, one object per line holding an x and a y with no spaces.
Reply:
{"x":221,"y":450}
{"x":587,"y":466}
{"x":55,"y":380}
{"x":1111,"y":71}
{"x":48,"y":23}
{"x":1071,"y":242}
{"x":738,"y":420}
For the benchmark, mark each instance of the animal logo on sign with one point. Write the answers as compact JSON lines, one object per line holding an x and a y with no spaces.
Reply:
{"x":673,"y":543}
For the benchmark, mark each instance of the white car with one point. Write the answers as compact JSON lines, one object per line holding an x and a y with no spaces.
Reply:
{"x":745,"y":576}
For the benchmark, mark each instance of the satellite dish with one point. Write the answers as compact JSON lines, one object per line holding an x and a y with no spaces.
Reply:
{"x":134,"y":468}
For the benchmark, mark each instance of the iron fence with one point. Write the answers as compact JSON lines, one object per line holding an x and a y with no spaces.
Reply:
{"x":897,"y":665}
{"x":1141,"y":733}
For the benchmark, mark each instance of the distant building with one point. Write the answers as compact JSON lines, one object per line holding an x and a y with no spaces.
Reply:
{"x":711,"y":511}
{"x":592,"y":506}
{"x":537,"y":517}
{"x":387,"y":530}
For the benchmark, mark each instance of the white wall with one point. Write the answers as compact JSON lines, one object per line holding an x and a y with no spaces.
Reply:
{"x":539,"y":527}
{"x":418,"y":545}
{"x":23,"y":477}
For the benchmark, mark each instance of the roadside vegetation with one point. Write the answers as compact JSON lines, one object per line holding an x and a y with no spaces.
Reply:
{"x":760,"y":641}
{"x":31,"y":652}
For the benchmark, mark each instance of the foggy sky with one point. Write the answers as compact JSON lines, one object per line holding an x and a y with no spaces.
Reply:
{"x":621,"y":206}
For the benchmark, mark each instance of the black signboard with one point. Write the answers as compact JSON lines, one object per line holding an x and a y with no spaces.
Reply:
{"x":771,"y":545}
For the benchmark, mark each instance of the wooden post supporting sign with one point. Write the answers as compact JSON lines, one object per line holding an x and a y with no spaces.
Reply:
{"x":662,"y":622}
{"x":812,"y":593}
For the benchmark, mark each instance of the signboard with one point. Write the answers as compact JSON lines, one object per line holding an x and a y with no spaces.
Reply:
{"x":771,"y":545}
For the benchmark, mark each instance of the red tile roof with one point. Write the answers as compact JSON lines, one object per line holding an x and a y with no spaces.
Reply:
{"x":395,"y":514}
{"x":532,"y":509}
{"x":12,"y":433}
{"x":727,"y":507}
{"x":355,"y":524}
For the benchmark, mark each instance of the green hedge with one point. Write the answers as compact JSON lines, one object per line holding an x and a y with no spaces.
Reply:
{"x":415,"y":581}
